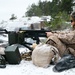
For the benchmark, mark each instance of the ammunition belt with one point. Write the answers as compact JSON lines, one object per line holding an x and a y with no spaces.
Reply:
{"x":26,"y":56}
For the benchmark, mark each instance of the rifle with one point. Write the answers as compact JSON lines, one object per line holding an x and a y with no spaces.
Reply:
{"x":19,"y":37}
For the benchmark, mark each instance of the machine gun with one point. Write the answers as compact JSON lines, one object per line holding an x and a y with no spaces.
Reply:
{"x":19,"y":37}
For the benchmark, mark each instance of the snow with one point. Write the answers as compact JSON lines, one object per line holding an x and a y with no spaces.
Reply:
{"x":27,"y":67}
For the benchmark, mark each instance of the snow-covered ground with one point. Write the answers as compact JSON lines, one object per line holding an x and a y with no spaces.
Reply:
{"x":27,"y":67}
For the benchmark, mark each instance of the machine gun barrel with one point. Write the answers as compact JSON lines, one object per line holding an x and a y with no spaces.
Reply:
{"x":35,"y":33}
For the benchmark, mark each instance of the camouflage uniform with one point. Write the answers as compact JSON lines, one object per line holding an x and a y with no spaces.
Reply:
{"x":63,"y":41}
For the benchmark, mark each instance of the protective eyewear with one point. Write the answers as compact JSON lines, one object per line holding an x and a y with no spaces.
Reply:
{"x":72,"y":21}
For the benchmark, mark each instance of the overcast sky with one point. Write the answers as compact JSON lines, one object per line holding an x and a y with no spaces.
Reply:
{"x":17,"y":7}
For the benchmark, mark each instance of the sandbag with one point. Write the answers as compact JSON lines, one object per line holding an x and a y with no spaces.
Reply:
{"x":65,"y":63}
{"x":43,"y":54}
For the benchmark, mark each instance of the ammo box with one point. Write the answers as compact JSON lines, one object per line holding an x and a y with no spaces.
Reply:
{"x":12,"y":54}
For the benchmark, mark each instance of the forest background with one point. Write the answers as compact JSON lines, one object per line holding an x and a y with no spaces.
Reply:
{"x":59,"y":10}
